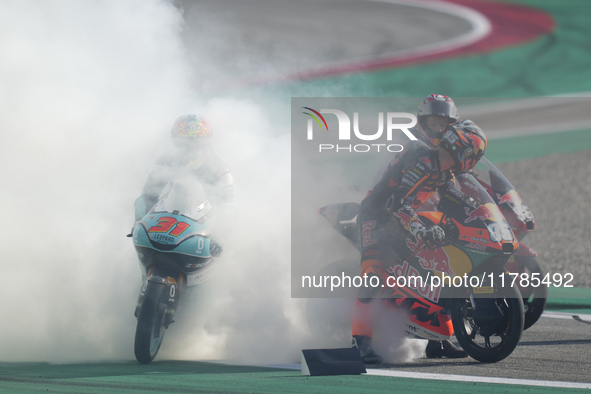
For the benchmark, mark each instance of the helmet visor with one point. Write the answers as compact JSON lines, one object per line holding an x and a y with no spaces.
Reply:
{"x":440,"y":108}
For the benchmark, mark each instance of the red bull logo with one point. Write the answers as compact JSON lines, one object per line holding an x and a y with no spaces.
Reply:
{"x":507,"y":198}
{"x":436,"y":260}
{"x":405,"y":218}
{"x":367,"y":227}
{"x":400,"y":274}
{"x":482,"y":213}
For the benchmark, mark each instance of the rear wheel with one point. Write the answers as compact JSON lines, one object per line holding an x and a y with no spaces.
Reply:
{"x":534,"y":298}
{"x":497,"y":340}
{"x":150,"y":324}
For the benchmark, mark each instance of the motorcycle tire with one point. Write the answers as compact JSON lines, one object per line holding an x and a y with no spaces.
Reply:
{"x":500,"y":344}
{"x":534,"y":298}
{"x":150,"y":324}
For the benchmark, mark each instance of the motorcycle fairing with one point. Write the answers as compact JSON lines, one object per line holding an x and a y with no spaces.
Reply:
{"x":149,"y":256}
{"x":426,"y":318}
{"x":159,"y":231}
{"x":506,"y":197}
{"x":525,"y":250}
{"x":343,"y":218}
{"x":474,"y":213}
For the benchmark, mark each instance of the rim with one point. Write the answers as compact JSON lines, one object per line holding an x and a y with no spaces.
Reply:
{"x":486,"y":342}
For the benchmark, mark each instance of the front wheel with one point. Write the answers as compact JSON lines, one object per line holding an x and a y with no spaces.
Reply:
{"x":150,"y":324}
{"x":489,"y":340}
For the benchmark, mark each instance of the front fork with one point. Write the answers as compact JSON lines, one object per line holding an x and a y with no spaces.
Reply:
{"x":170,"y":295}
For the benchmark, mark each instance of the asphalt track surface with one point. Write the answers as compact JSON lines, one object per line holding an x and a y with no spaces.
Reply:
{"x":554,"y":349}
{"x":552,"y":357}
{"x":253,"y":39}
{"x":264,"y":36}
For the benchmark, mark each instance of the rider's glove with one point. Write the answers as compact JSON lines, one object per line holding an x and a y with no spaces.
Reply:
{"x":215,"y":248}
{"x":427,"y":234}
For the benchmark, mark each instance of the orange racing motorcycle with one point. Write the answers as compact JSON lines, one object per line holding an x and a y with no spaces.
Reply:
{"x":524,"y":261}
{"x":464,"y":289}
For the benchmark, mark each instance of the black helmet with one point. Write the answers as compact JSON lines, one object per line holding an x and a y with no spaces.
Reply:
{"x":438,"y":106}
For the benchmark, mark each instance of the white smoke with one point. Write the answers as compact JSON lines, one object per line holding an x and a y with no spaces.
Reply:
{"x":86,"y":91}
{"x":88,"y":94}
{"x":389,"y":339}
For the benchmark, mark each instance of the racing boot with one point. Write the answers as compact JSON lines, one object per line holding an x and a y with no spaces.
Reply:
{"x":440,"y":349}
{"x":487,"y":316}
{"x":368,"y":355}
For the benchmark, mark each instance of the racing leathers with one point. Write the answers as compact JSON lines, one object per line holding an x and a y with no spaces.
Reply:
{"x":387,"y":219}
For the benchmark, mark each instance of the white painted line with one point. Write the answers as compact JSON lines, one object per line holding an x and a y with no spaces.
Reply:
{"x":480,"y":27}
{"x":459,"y":378}
{"x":565,"y":316}
{"x":516,"y":106}
{"x":537,"y":130}
{"x":284,"y":366}
{"x":477,"y":379}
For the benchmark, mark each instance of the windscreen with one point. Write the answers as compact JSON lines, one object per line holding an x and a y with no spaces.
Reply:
{"x":185,"y":197}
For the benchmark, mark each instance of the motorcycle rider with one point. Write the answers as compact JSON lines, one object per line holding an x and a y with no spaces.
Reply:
{"x":387,"y":217}
{"x":191,"y":155}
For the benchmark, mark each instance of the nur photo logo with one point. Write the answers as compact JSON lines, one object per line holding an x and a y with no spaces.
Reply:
{"x":392,"y":120}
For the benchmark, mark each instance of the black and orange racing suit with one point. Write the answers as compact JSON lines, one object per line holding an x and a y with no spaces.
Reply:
{"x":410,"y":179}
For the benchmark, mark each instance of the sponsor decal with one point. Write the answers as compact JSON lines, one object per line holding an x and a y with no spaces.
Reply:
{"x":509,"y":197}
{"x":367,"y":227}
{"x":476,"y":246}
{"x":482,"y":213}
{"x":424,"y":288}
{"x":484,"y":290}
{"x":470,"y":185}
{"x":197,"y":265}
{"x":456,"y":192}
{"x":436,"y":260}
{"x":405,"y":218}
{"x":372,"y":252}
{"x":163,"y":238}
